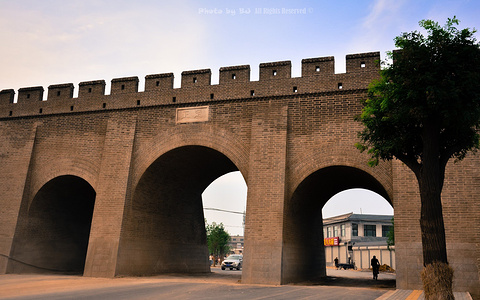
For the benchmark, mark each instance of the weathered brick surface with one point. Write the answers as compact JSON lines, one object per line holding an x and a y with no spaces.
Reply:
{"x":291,"y":138}
{"x":266,"y":181}
{"x":111,"y":191}
{"x":16,"y":144}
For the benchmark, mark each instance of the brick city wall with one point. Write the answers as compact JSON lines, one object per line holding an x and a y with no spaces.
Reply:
{"x":149,"y":155}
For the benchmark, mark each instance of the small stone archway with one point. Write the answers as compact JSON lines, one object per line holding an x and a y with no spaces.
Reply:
{"x":164,"y":226}
{"x":53,"y":236}
{"x":304,"y":253}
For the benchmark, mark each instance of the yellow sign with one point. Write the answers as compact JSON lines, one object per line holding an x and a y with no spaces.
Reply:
{"x":331,"y":241}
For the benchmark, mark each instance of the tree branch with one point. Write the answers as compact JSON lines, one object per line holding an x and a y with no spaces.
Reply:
{"x":448,"y":153}
{"x":410,"y":161}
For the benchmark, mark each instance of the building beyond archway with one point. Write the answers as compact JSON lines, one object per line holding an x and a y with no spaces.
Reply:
{"x":356,"y":225}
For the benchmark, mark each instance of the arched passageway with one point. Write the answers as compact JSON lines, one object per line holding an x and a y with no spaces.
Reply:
{"x":356,"y":225}
{"x":164,"y":229}
{"x":54,"y":235}
{"x":304,"y":253}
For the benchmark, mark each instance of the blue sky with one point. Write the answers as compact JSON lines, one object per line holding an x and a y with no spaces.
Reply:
{"x":61,"y":41}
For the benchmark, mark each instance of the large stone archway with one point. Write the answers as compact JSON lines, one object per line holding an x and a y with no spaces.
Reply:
{"x":164,"y":227}
{"x":304,"y":254}
{"x":54,"y":232}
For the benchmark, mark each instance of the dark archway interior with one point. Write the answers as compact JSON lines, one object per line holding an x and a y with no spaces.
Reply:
{"x":304,"y":253}
{"x":164,"y":228}
{"x":56,"y":229}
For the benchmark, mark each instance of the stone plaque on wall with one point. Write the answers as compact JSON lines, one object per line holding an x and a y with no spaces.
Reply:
{"x":192,"y":114}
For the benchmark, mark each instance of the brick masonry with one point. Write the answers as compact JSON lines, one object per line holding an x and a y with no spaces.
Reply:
{"x":149,"y":155}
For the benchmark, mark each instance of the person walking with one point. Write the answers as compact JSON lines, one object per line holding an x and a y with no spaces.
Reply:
{"x":336,"y":262}
{"x":375,"y":266}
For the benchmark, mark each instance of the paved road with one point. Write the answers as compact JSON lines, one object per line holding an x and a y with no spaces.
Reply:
{"x":218,"y":284}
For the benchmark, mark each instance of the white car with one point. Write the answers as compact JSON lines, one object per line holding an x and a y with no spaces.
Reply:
{"x":233,"y":261}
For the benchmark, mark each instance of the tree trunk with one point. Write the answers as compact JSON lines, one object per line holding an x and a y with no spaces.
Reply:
{"x":430,"y":178}
{"x":437,"y":275}
{"x":431,"y":219}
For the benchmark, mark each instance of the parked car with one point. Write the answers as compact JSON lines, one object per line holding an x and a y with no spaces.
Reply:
{"x":233,"y":261}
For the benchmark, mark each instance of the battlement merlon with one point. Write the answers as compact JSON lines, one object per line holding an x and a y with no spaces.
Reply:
{"x":157,"y":82}
{"x":360,"y":62}
{"x":318,"y":66}
{"x":274,"y":70}
{"x":124,"y":85}
{"x":60,"y":91}
{"x":7,"y":96}
{"x":234,"y":74}
{"x":90,"y":89}
{"x":196,"y":78}
{"x":322,"y":66}
{"x":30,"y":94}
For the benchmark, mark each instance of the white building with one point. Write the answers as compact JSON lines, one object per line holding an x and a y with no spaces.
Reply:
{"x":356,"y":238}
{"x":236,"y":244}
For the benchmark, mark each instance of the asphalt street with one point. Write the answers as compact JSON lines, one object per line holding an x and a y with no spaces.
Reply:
{"x":218,"y":284}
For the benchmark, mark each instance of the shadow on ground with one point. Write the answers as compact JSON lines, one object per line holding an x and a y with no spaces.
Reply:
{"x":353,"y":282}
{"x":339,"y":281}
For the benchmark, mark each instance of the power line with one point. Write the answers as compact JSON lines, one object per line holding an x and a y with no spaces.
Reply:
{"x":37,"y":267}
{"x":223,"y":210}
{"x":236,"y":226}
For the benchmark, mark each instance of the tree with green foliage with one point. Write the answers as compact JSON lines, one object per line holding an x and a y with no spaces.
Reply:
{"x":217,"y":240}
{"x":423,"y":111}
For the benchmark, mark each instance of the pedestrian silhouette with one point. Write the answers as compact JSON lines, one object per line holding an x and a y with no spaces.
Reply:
{"x":375,"y":266}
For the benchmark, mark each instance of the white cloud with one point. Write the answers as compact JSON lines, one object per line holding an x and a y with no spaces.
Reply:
{"x":96,"y":40}
{"x":377,"y":30}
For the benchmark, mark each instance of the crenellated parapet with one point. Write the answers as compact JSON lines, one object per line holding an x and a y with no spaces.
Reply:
{"x":275,"y":79}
